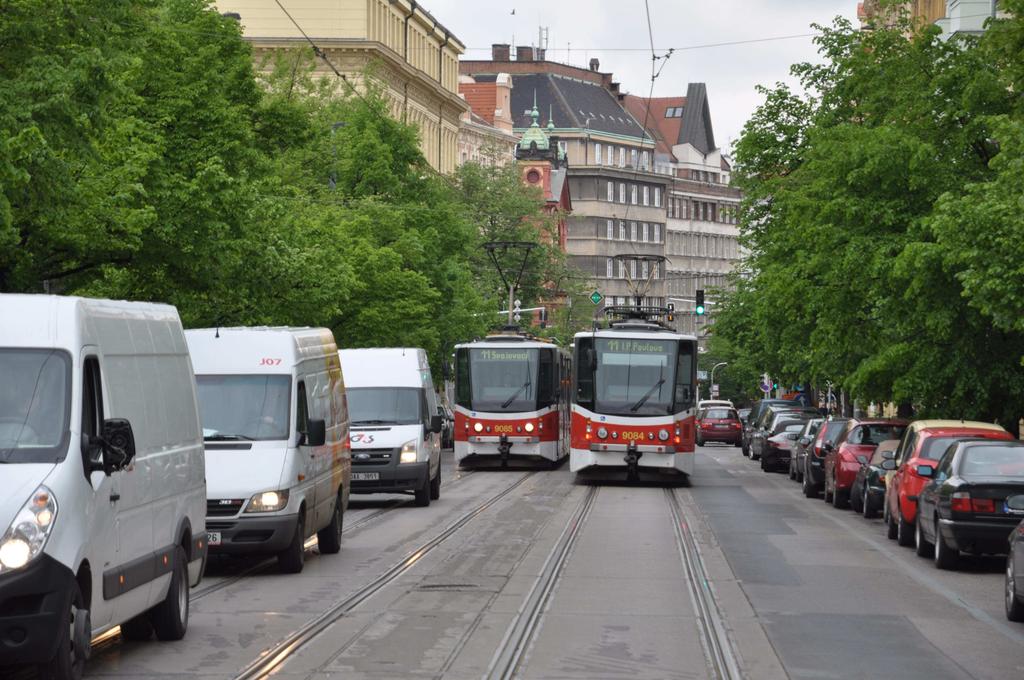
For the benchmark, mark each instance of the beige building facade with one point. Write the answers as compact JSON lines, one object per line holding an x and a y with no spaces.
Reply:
{"x":401,"y":46}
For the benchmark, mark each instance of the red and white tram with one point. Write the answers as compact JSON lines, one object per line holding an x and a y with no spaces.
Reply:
{"x":511,"y":400}
{"x":634,"y":399}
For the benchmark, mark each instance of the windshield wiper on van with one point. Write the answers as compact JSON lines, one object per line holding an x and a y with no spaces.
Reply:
{"x":515,"y":394}
{"x":370,"y":422}
{"x":643,"y":400}
{"x":221,"y":437}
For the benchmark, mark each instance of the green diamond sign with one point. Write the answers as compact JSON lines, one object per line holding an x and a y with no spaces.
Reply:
{"x":596,"y":297}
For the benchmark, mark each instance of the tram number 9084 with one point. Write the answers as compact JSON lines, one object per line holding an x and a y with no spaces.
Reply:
{"x":633,"y":436}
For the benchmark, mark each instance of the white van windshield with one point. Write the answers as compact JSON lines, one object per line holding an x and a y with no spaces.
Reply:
{"x":245,"y":407}
{"x":385,"y":405}
{"x":34,"y":405}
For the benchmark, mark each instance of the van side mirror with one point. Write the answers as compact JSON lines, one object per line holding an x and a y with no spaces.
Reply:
{"x":435,"y":424}
{"x":117,"y":446}
{"x":316,"y":434}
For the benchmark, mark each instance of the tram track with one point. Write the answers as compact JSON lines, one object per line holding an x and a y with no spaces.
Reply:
{"x":271,"y":660}
{"x":524,"y":627}
{"x":722,"y":661}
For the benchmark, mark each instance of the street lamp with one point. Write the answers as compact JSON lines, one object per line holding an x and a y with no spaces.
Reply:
{"x":713,"y":369}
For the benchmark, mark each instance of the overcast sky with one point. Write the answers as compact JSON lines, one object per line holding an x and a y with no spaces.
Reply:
{"x":615,"y":31}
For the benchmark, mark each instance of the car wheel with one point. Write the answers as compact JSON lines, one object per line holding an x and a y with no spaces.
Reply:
{"x":904,"y":534}
{"x":922,"y":547}
{"x":293,"y":558}
{"x":840,"y":497}
{"x":745,"y":450}
{"x":68,"y":663}
{"x":423,"y":493}
{"x":856,"y":501}
{"x":865,"y":505}
{"x":435,"y":485}
{"x":329,"y":538}
{"x":792,"y":469}
{"x":810,"y":491}
{"x":1014,"y":606}
{"x":700,"y":442}
{"x":945,"y":556}
{"x":170,"y":617}
{"x":826,"y":493}
{"x":890,"y":525}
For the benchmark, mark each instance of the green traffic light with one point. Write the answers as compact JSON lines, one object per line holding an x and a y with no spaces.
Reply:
{"x":775,"y":386}
{"x":700,"y":310}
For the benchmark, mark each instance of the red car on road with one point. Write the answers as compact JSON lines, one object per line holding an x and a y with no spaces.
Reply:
{"x":859,"y":439}
{"x":719,"y":424}
{"x":923,"y":443}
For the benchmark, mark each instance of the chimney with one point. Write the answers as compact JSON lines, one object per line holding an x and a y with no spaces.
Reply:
{"x":614,"y":87}
{"x":541,"y":53}
{"x":595,"y":64}
{"x":500,"y":52}
{"x":524,"y":53}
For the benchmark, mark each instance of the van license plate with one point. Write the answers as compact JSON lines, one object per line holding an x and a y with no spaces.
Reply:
{"x":213,"y":537}
{"x":365,"y":476}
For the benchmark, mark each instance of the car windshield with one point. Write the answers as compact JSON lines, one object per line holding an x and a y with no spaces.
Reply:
{"x":992,"y":461}
{"x":721,"y":414}
{"x":35,"y":400}
{"x":873,"y":435}
{"x":244,"y":407}
{"x":833,"y":430}
{"x":385,"y":405}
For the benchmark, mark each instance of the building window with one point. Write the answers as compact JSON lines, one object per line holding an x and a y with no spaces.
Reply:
{"x":611,"y":192}
{"x":609,"y":268}
{"x":647,"y":195}
{"x":622,"y":269}
{"x":682,"y":209}
{"x":644,"y":160}
{"x":622,"y":192}
{"x":644,"y":233}
{"x":633,"y":157}
{"x":622,"y":156}
{"x":644,"y":269}
{"x":622,"y":230}
{"x":632,"y":269}
{"x":610,"y":159}
{"x":563,"y":149}
{"x":611,"y":230}
{"x":632,"y":231}
{"x":597,"y":154}
{"x":657,"y":233}
{"x":632,"y":194}
{"x":657,"y":197}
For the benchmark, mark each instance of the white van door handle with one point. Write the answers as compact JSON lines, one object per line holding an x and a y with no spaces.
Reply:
{"x":114,"y":497}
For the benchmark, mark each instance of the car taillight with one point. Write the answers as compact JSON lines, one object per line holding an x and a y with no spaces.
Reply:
{"x":983,"y":505}
{"x":961,"y":501}
{"x":736,"y":426}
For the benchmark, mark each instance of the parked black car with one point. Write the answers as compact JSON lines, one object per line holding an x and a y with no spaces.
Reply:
{"x":965,"y":507}
{"x":1015,"y":564}
{"x":769,"y":420}
{"x":814,"y":461}
{"x":754,"y":416}
{"x":801,"y":446}
{"x":778,"y":448}
{"x":868,"y":491}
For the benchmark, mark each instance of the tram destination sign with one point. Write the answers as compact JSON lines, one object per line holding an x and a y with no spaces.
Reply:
{"x":638,"y":346}
{"x":504,"y":355}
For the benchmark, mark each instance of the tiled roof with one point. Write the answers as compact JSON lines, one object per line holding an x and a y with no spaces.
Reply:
{"x":482,"y":98}
{"x":573,"y":104}
{"x":665,"y":130}
{"x":693,"y":127}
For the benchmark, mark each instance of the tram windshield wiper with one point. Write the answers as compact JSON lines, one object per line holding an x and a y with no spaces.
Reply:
{"x":515,"y":394}
{"x":643,"y":400}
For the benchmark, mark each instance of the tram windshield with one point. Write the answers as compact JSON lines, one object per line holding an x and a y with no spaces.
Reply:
{"x":503,"y":380}
{"x":634,"y":376}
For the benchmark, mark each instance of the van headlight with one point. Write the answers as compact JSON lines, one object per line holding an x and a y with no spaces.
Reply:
{"x":25,"y":538}
{"x":268,"y":501}
{"x":408,"y":454}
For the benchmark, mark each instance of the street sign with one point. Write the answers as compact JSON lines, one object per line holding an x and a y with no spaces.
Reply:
{"x":702,"y":375}
{"x":766,"y":387}
{"x":714,"y":391}
{"x":596,"y":297}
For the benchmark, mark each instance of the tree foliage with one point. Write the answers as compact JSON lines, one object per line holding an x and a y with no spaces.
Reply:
{"x":882,"y":217}
{"x":143,"y":157}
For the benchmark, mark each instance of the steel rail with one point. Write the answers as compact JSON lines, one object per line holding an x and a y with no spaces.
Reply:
{"x":721,"y":657}
{"x":271,"y":660}
{"x":524,"y":627}
{"x":265,"y":563}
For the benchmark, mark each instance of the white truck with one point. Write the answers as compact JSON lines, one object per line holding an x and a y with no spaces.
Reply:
{"x":272,"y":405}
{"x":102,"y":493}
{"x":396,"y":429}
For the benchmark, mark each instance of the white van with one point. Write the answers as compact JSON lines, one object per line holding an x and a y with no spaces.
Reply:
{"x":272,"y":405}
{"x":102,"y":495}
{"x":396,"y":442}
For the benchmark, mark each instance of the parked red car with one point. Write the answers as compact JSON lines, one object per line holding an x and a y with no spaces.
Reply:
{"x":858,"y":439}
{"x":718,"y":424}
{"x":923,"y":443}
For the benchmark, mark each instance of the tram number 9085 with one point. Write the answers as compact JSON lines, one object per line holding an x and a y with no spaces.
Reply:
{"x":507,"y":429}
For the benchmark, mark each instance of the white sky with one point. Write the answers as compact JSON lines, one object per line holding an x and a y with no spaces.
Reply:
{"x":615,"y":31}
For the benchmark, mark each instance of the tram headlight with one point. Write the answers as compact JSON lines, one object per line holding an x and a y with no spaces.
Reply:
{"x":478,"y":427}
{"x":663,"y":435}
{"x":602,"y":433}
{"x":528,"y":427}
